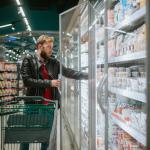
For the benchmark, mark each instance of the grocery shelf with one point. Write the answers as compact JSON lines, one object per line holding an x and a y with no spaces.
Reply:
{"x":130,"y":94}
{"x":128,"y":57}
{"x":141,"y":138}
{"x":8,"y":95}
{"x":135,"y":17}
{"x":1,"y":71}
{"x":8,"y":87}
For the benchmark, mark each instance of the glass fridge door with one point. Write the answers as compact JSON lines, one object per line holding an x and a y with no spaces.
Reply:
{"x":101,"y":79}
{"x":74,"y":55}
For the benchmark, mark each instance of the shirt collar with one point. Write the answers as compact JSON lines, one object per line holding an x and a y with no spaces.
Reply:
{"x":39,"y":62}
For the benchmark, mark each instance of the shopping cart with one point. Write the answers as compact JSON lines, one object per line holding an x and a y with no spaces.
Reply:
{"x":30,"y":124}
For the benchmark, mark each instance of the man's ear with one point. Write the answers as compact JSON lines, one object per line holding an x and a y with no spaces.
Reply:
{"x":39,"y":46}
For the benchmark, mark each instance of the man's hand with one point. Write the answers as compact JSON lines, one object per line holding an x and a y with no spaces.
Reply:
{"x":55,"y":83}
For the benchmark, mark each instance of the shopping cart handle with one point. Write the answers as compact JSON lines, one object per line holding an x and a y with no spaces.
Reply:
{"x":37,"y":98}
{"x":29,"y":98}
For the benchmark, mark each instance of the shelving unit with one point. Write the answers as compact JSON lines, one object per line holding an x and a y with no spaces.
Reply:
{"x":128,"y":58}
{"x":121,"y":57}
{"x":141,"y":138}
{"x":9,"y":75}
{"x":138,"y":16}
{"x":129,"y":94}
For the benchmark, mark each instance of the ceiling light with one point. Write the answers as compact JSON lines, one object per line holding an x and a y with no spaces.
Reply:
{"x":6,"y":25}
{"x":18,"y":2}
{"x":28,"y":28}
{"x":22,"y":11}
{"x":26,"y":21}
{"x":34,"y":40}
{"x":12,"y":28}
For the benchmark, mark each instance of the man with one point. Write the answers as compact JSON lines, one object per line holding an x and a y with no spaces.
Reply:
{"x":40,"y":75}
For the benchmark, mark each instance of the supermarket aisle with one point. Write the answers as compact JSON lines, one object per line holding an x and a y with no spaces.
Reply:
{"x":58,"y":130}
{"x":66,"y":145}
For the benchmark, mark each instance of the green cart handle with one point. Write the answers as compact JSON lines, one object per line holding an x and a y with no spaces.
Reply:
{"x":26,"y":98}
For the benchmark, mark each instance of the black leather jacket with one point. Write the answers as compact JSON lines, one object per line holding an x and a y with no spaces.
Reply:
{"x":32,"y":78}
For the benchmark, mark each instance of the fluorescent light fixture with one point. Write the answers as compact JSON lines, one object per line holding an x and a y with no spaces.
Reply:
{"x":34,"y":40}
{"x":26,"y":21}
{"x":23,"y":15}
{"x":22,"y":11}
{"x":6,"y":25}
{"x":13,"y":28}
{"x":18,"y":2}
{"x":28,"y":28}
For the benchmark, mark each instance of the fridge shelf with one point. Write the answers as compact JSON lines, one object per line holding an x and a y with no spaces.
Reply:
{"x":129,"y":94}
{"x":129,"y":57}
{"x":131,"y":20}
{"x":131,"y":131}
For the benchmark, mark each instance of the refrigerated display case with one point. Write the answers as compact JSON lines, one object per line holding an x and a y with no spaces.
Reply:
{"x":77,"y":52}
{"x":107,"y":40}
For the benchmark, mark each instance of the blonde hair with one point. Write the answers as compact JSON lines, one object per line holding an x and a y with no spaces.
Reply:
{"x":44,"y":38}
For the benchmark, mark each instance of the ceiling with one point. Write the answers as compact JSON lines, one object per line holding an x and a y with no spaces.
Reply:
{"x":41,"y":14}
{"x":43,"y":18}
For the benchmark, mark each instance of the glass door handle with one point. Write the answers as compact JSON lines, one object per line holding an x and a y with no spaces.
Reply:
{"x":99,"y":94}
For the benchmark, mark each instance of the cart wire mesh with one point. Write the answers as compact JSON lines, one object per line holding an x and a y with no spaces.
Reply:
{"x":30,"y":124}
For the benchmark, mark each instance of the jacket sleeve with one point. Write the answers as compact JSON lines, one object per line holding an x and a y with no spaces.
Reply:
{"x":27,"y":76}
{"x":70,"y":73}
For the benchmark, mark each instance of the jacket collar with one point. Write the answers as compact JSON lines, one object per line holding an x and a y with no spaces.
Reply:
{"x":38,"y":60}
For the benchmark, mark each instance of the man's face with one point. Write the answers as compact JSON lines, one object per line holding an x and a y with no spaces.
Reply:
{"x":46,"y":50}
